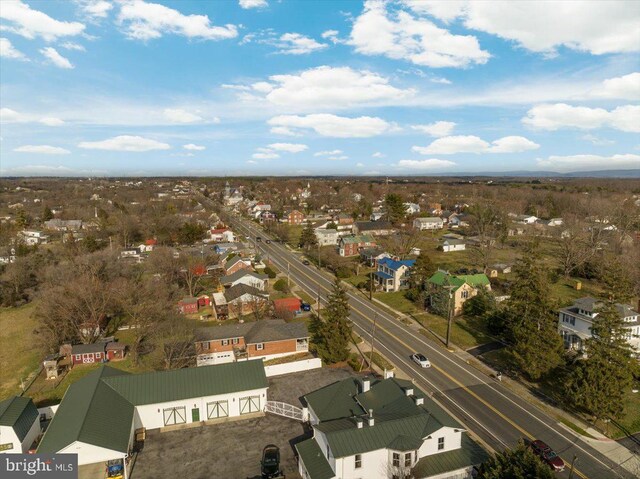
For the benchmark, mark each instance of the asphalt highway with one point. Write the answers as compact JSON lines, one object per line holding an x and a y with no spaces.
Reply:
{"x":486,"y":407}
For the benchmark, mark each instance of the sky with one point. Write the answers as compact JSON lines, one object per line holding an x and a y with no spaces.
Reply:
{"x":292,"y":87}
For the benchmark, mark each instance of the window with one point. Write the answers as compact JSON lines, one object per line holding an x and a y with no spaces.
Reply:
{"x":78,"y":357}
{"x":440,"y":443}
{"x":206,"y":345}
{"x":407,"y":459}
{"x":225,"y":342}
{"x":465,"y":294}
{"x":358,"y":461}
{"x":396,"y":459}
{"x":259,"y":346}
{"x":235,"y":341}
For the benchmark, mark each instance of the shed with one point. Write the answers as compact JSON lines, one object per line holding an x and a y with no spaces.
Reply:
{"x":288,"y":304}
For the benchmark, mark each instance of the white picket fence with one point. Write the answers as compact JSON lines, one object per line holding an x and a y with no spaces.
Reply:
{"x":287,"y":410}
{"x":292,"y":367}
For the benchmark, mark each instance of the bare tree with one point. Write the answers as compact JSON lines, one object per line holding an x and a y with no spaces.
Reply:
{"x":178,"y":344}
{"x":578,"y":244}
{"x":401,"y":243}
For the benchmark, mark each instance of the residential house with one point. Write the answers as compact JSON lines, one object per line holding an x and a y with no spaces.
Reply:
{"x":221,"y":235}
{"x":115,"y":350}
{"x":459,"y":220}
{"x":232,"y":196}
{"x":376,"y":215}
{"x":376,"y":228}
{"x":554,"y":222}
{"x":575,"y":322}
{"x":430,"y":223}
{"x":393,"y":275}
{"x":371,"y":256}
{"x":190,"y":305}
{"x":19,"y":425}
{"x":57,"y":224}
{"x":294,"y":217}
{"x":220,"y":307}
{"x":381,"y":429}
{"x":224,"y":248}
{"x":236,"y":264}
{"x":449,"y":292}
{"x":526,"y":219}
{"x":326,"y":237}
{"x":243,"y":276}
{"x":99,"y":413}
{"x":267,"y":217}
{"x":256,"y":210}
{"x":266,"y":339}
{"x":412,"y":208}
{"x":242,"y":299}
{"x":449,"y":245}
{"x":343,"y":219}
{"x":33,"y":237}
{"x":351,"y":245}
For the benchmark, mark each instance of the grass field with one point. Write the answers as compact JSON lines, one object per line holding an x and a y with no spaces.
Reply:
{"x":465,"y":332}
{"x":398,"y":301}
{"x":19,"y":352}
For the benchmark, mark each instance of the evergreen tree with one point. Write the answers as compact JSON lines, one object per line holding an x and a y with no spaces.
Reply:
{"x":422,"y":270}
{"x":22,"y":219}
{"x":47,"y":214}
{"x":308,"y":238}
{"x":395,"y":208}
{"x":517,"y":463}
{"x":598,"y":383}
{"x":531,"y":320}
{"x":332,"y":335}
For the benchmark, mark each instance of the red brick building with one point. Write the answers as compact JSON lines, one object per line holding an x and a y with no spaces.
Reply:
{"x":351,"y":245}
{"x":295,"y":218}
{"x":260,"y":339}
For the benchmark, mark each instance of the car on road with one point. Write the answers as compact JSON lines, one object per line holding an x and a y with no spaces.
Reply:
{"x":542,"y":450}
{"x":305,"y":306}
{"x":421,"y":360}
{"x":271,"y":462}
{"x":268,"y":241}
{"x":259,"y":239}
{"x":306,"y":262}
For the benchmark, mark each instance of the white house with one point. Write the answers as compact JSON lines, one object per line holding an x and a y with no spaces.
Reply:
{"x":449,"y":245}
{"x":243,"y":276}
{"x":33,"y":237}
{"x":221,"y":235}
{"x":19,"y":425}
{"x":327,"y":237}
{"x":412,"y":208}
{"x":574,"y":323}
{"x":526,"y":219}
{"x":100,"y":413}
{"x":431,"y":223}
{"x":385,"y":428}
{"x":393,"y":275}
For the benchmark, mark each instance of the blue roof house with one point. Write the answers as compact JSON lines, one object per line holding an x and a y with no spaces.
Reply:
{"x":393,"y":275}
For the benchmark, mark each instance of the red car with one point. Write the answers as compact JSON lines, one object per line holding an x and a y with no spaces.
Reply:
{"x":547,"y":455}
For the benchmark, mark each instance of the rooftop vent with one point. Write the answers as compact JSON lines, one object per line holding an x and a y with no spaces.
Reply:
{"x":419,"y":401}
{"x":408,"y":392}
{"x":370,"y":419}
{"x":366,"y":384}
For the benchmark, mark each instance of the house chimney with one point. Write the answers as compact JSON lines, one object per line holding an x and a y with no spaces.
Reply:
{"x":366,"y":384}
{"x":370,"y":419}
{"x":359,"y":422}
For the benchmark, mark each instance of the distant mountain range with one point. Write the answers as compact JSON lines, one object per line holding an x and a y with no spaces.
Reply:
{"x":550,"y":174}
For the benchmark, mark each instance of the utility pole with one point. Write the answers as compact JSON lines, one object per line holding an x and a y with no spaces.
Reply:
{"x":450,"y":318}
{"x":370,"y":286}
{"x":373,"y":340}
{"x":319,"y":260}
{"x":288,"y":269}
{"x":572,"y":463}
{"x":318,"y":301}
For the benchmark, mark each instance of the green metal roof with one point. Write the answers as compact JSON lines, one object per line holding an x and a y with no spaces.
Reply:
{"x":335,"y":400}
{"x":442,"y":278}
{"x":165,"y":386}
{"x":18,"y":413}
{"x":314,"y":460}
{"x":91,"y":412}
{"x":470,"y":454}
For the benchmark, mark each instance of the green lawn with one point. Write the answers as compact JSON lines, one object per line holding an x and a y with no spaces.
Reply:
{"x":466,"y":333}
{"x":305,"y":297}
{"x":631,"y":419}
{"x":398,"y":301}
{"x":564,"y":290}
{"x":20,"y":354}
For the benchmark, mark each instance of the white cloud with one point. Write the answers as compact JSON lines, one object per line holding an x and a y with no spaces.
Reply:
{"x":7,"y":50}
{"x":332,"y":36}
{"x":125,"y":143}
{"x":595,"y":27}
{"x":54,"y":57}
{"x":378,"y":154}
{"x":178,"y":115}
{"x":51,"y":121}
{"x":360,"y":165}
{"x":337,"y":158}
{"x":246,"y":4}
{"x":288,"y":147}
{"x":283,"y":130}
{"x":328,"y":153}
{"x":437,"y":129}
{"x":334,"y":126}
{"x":401,"y":35}
{"x":95,"y":9}
{"x":429,"y":164}
{"x":42,"y":149}
{"x":331,"y":87}
{"x":265,"y":155}
{"x":450,"y":145}
{"x":440,"y":80}
{"x":626,"y":87}
{"x":561,"y":115}
{"x":146,"y":21}
{"x":597,"y":140}
{"x":297,"y":44}
{"x":192,"y":147}
{"x":31,"y":23}
{"x":73,"y":46}
{"x":262,"y":87}
{"x":589,"y":162}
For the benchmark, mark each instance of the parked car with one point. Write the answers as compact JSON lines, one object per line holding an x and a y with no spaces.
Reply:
{"x":270,"y":462}
{"x":305,"y":307}
{"x":547,"y":455}
{"x":259,"y":239}
{"x":306,"y":262}
{"x":268,"y":241}
{"x":421,"y":360}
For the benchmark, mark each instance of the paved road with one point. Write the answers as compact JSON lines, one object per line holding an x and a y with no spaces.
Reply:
{"x":484,"y":406}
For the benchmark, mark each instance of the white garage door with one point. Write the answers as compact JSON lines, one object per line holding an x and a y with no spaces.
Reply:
{"x":217,"y":409}
{"x":175,"y":415}
{"x":249,"y":404}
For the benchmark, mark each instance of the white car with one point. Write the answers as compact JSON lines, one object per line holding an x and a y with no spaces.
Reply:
{"x":421,"y":360}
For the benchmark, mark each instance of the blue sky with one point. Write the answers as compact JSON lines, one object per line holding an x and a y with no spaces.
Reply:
{"x":291,"y":87}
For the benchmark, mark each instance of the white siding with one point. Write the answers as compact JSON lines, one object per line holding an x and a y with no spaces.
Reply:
{"x":8,"y":436}
{"x":89,"y":454}
{"x":452,"y":440}
{"x":374,"y":464}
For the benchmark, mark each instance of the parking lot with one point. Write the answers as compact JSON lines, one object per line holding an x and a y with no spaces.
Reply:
{"x":233,"y":449}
